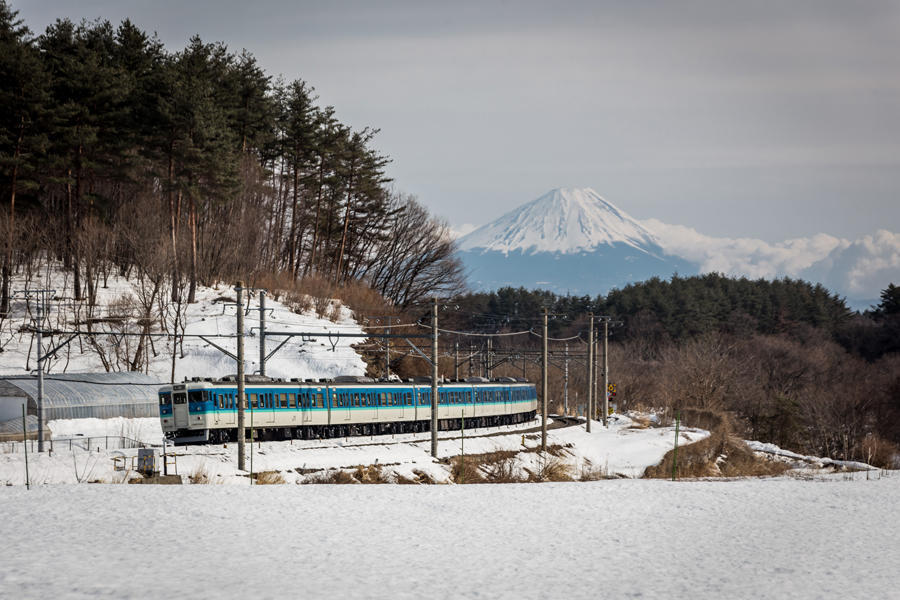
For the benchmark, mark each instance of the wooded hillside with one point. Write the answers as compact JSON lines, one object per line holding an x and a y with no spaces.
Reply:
{"x":786,"y":357}
{"x":196,"y":165}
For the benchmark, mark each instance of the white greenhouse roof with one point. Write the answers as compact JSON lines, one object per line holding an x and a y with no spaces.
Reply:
{"x":80,"y":389}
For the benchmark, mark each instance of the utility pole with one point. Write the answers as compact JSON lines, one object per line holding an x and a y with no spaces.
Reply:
{"x":545,"y":388}
{"x":387,"y":352}
{"x":590,"y":373}
{"x":490,"y":358}
{"x":598,"y":404}
{"x":239,"y":289}
{"x":262,"y":332}
{"x":471,"y":356}
{"x":566,"y":382}
{"x":41,"y":301}
{"x":40,"y":366}
{"x":605,"y":372}
{"x":456,"y":360}
{"x":434,"y":378}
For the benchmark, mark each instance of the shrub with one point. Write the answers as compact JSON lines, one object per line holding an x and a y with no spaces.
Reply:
{"x":881,"y":453}
{"x":550,"y":468}
{"x":269,"y":478}
{"x":200,"y":474}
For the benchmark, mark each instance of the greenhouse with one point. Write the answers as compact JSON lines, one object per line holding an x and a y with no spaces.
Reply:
{"x":79,"y":396}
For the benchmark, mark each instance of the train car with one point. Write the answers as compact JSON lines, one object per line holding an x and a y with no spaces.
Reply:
{"x":205,"y":410}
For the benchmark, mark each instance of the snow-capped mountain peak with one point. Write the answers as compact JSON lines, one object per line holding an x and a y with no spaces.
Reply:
{"x":564,"y":220}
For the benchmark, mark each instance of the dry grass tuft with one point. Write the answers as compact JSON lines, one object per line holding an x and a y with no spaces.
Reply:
{"x":361,"y":474}
{"x":591,"y":472}
{"x":550,"y":468}
{"x":423,"y":478}
{"x":370,"y":474}
{"x":335,"y":476}
{"x":269,"y":478}
{"x":502,"y":471}
{"x":199,"y":475}
{"x":465,"y":471}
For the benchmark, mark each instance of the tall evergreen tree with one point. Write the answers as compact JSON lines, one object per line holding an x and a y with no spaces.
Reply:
{"x":23,"y":102}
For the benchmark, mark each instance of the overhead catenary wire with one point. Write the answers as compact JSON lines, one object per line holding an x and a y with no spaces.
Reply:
{"x":568,"y":339}
{"x":474,"y":334}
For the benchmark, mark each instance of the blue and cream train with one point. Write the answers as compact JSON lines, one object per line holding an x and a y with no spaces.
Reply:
{"x":205,"y":411}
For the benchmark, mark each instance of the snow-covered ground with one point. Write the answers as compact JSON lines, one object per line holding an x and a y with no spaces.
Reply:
{"x":620,"y":450}
{"x":148,"y":430}
{"x":758,"y":538}
{"x":209,"y":316}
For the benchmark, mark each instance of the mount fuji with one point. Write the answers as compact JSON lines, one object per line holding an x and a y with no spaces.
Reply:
{"x":569,"y":240}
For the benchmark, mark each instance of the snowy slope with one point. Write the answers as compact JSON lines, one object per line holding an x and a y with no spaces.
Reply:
{"x":569,"y":241}
{"x":209,"y":316}
{"x":564,"y":220}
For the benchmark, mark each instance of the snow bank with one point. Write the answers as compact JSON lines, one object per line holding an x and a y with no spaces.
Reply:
{"x":818,"y":462}
{"x":617,"y":451}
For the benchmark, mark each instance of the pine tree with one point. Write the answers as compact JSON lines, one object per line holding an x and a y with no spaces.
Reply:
{"x":23,"y":102}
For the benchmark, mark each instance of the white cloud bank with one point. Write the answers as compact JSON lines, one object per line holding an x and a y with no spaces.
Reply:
{"x":857,"y":269}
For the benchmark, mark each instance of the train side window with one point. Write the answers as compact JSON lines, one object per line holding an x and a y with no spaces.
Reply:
{"x":383,"y":400}
{"x":320,"y":400}
{"x":292,"y":400}
{"x":221,"y":400}
{"x":254,"y":402}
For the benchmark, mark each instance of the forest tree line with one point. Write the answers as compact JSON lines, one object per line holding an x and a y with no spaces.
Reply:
{"x":788,"y":358}
{"x":117,"y":154}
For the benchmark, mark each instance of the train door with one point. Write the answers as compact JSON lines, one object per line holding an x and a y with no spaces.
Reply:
{"x":229,"y":415}
{"x":307,"y":396}
{"x":180,"y":409}
{"x":346,"y":404}
{"x":214,"y":398}
{"x":271,"y":405}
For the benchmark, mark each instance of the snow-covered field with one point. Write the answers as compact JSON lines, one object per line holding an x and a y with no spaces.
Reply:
{"x":761,"y":538}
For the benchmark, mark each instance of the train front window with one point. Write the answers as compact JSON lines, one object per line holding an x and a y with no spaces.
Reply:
{"x":165,"y":399}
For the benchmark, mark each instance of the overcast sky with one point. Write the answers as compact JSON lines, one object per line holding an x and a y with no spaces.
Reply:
{"x":770,"y":120}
